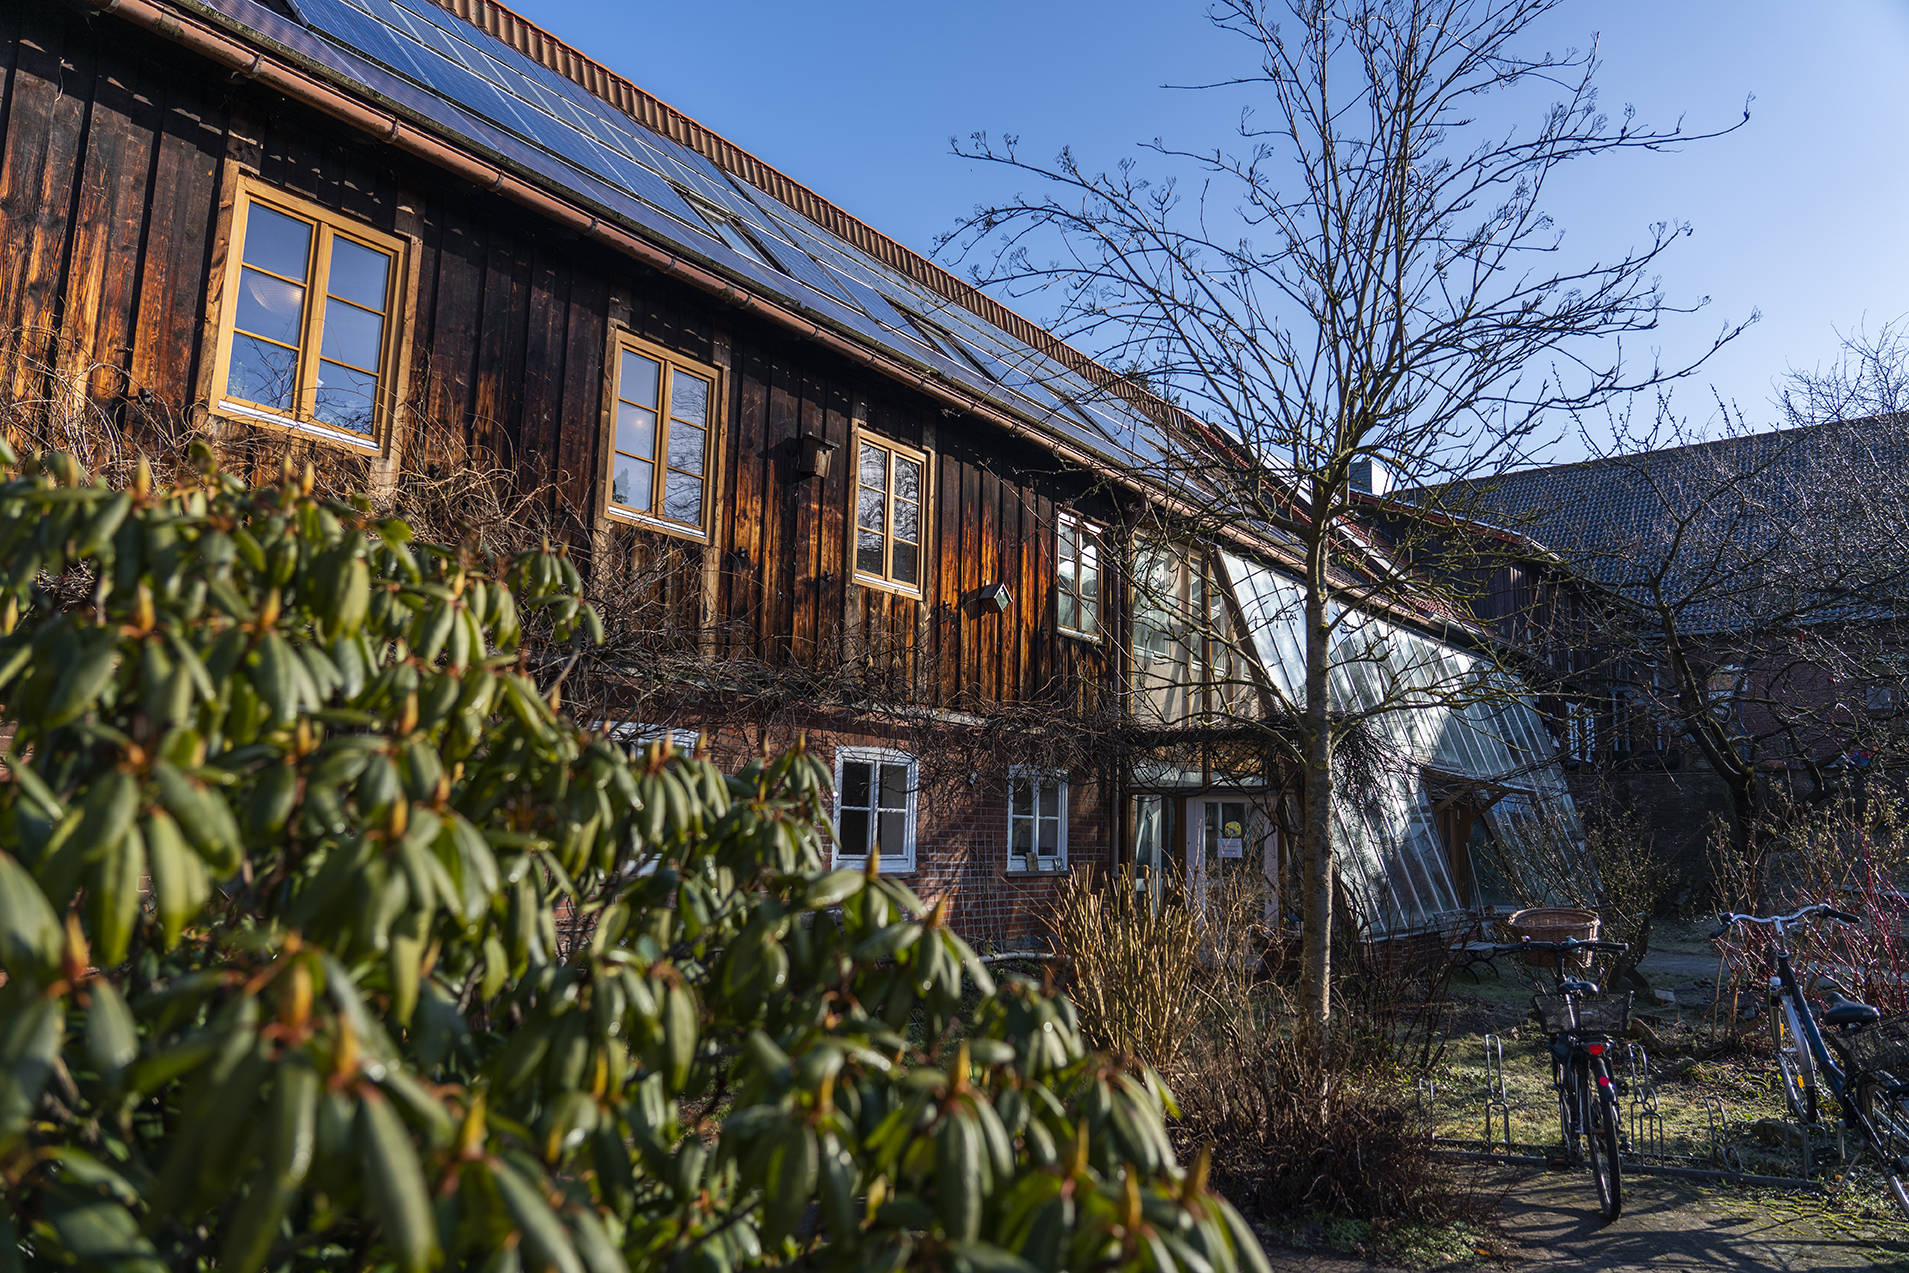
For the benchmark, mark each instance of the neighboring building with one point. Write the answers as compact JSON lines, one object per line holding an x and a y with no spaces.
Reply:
{"x":836,"y":490}
{"x":1769,"y":566}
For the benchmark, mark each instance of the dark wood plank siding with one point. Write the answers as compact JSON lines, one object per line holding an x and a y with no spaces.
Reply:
{"x":109,"y":194}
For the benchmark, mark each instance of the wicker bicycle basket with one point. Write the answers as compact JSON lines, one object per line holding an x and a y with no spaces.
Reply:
{"x":1553,"y":923}
{"x":1606,"y":1014}
{"x":1883,"y":1046}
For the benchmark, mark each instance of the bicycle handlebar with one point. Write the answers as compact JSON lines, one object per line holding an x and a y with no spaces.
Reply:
{"x":1729,"y":918}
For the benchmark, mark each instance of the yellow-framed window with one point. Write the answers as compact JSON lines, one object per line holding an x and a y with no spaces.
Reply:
{"x":665,"y":418}
{"x":891,"y":502}
{"x":1077,"y":577}
{"x":308,"y":327}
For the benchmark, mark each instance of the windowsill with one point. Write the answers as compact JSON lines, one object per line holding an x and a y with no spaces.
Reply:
{"x":305,"y":428}
{"x":887,"y":585}
{"x":861,"y":864}
{"x":1034,"y":873}
{"x":647,"y":522}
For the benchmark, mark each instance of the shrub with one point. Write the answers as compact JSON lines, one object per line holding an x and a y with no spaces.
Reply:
{"x":290,"y":829}
{"x":1129,"y":965}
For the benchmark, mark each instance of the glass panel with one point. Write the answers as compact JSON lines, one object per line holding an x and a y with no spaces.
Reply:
{"x":905,"y":571}
{"x":855,"y":832}
{"x":686,"y":447}
{"x":869,"y":513}
{"x":689,"y":397}
{"x":276,"y":242}
{"x":1021,"y":836}
{"x":894,"y":786}
{"x":1069,"y":616}
{"x":262,"y":373}
{"x":346,"y":398}
{"x":1089,"y":579}
{"x":683,"y":497}
{"x":894,"y":834}
{"x":874,"y":463}
{"x":868,"y":552}
{"x":1067,"y":544}
{"x":269,"y":307}
{"x":358,"y":273}
{"x":1050,"y":799}
{"x":1089,"y":615}
{"x":632,"y":486}
{"x":857,"y":776}
{"x":636,"y":382}
{"x":635,"y":431}
{"x":1020,"y":796}
{"x":907,"y":479}
{"x":352,"y":335}
{"x":908,"y":521}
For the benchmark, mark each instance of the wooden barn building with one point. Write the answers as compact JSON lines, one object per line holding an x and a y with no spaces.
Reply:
{"x":824,"y":487}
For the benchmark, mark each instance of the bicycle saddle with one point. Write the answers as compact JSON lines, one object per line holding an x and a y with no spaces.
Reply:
{"x":1844,"y":1011}
{"x":1575,"y":987}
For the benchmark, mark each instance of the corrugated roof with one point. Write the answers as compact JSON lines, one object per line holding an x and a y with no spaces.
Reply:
{"x":1733,"y":500}
{"x":495,"y":82}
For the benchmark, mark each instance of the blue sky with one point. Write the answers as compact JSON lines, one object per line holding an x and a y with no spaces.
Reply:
{"x":1799,"y":215}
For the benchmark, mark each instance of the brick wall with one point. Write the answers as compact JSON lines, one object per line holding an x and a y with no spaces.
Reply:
{"x":961,"y":833}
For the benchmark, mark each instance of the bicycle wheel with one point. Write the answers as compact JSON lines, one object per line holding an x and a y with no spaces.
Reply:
{"x":1793,"y":1062}
{"x":1885,"y":1124}
{"x":1601,"y":1119}
{"x":1564,"y":1079}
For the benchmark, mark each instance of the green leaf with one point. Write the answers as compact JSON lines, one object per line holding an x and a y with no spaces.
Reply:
{"x":112,"y":1039}
{"x":100,"y":1232}
{"x":396,"y":1184}
{"x":30,"y":936}
{"x":545,"y":1243}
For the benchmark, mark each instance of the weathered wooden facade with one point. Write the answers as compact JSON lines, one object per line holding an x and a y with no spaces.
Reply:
{"x":139,"y":146}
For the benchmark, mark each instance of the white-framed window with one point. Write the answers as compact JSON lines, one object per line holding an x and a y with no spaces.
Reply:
{"x":875,"y":790}
{"x":1037,"y":820}
{"x":637,"y":733}
{"x":1580,"y":733}
{"x":1077,"y":583}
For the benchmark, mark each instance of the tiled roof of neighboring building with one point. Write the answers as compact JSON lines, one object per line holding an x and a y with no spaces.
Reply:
{"x":496,"y":84}
{"x":1717,"y":514}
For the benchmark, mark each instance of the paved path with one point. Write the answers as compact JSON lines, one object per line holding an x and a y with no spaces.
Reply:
{"x":1549,"y":1221}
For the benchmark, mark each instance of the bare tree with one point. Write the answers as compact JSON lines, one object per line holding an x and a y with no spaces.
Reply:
{"x":1369,"y":277}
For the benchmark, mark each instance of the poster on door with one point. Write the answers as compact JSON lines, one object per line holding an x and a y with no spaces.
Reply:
{"x":1232,"y":839}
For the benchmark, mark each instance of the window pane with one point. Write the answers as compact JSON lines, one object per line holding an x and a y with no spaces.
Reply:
{"x":907,"y":479}
{"x":1089,"y":580}
{"x":874,"y":467}
{"x":894,"y":834}
{"x":265,"y":374}
{"x":1089,"y":552}
{"x":276,"y":242}
{"x":269,"y":307}
{"x":905,"y":568}
{"x":868,"y":552}
{"x":686,"y":447}
{"x":1069,"y":615}
{"x":683,"y":497}
{"x":635,"y":431}
{"x":636,"y":382}
{"x":857,"y":775}
{"x":855,"y":832}
{"x":689,"y":398}
{"x":631,"y":485}
{"x":869,"y":514}
{"x":908,"y":521}
{"x":894,"y":787}
{"x":1065,"y":574}
{"x":358,"y":273}
{"x":353,"y":336}
{"x":1050,"y":799}
{"x":1066,"y":538}
{"x":1020,"y":796}
{"x":1021,"y":836}
{"x":1089,"y":615}
{"x":346,"y":398}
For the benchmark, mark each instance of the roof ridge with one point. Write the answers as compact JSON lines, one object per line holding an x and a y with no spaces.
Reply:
{"x":540,"y":46}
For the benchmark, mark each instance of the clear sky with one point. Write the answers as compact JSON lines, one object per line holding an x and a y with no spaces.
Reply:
{"x":1799,"y":215}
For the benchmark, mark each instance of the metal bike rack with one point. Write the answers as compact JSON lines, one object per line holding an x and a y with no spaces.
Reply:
{"x":1647,"y":1123}
{"x":1497,"y":1107}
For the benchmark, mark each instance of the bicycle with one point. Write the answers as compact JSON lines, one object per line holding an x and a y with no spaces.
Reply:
{"x":1584,"y":1024}
{"x":1870,"y":1049}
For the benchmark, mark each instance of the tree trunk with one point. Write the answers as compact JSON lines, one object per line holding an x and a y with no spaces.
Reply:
{"x":1315,"y":1002}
